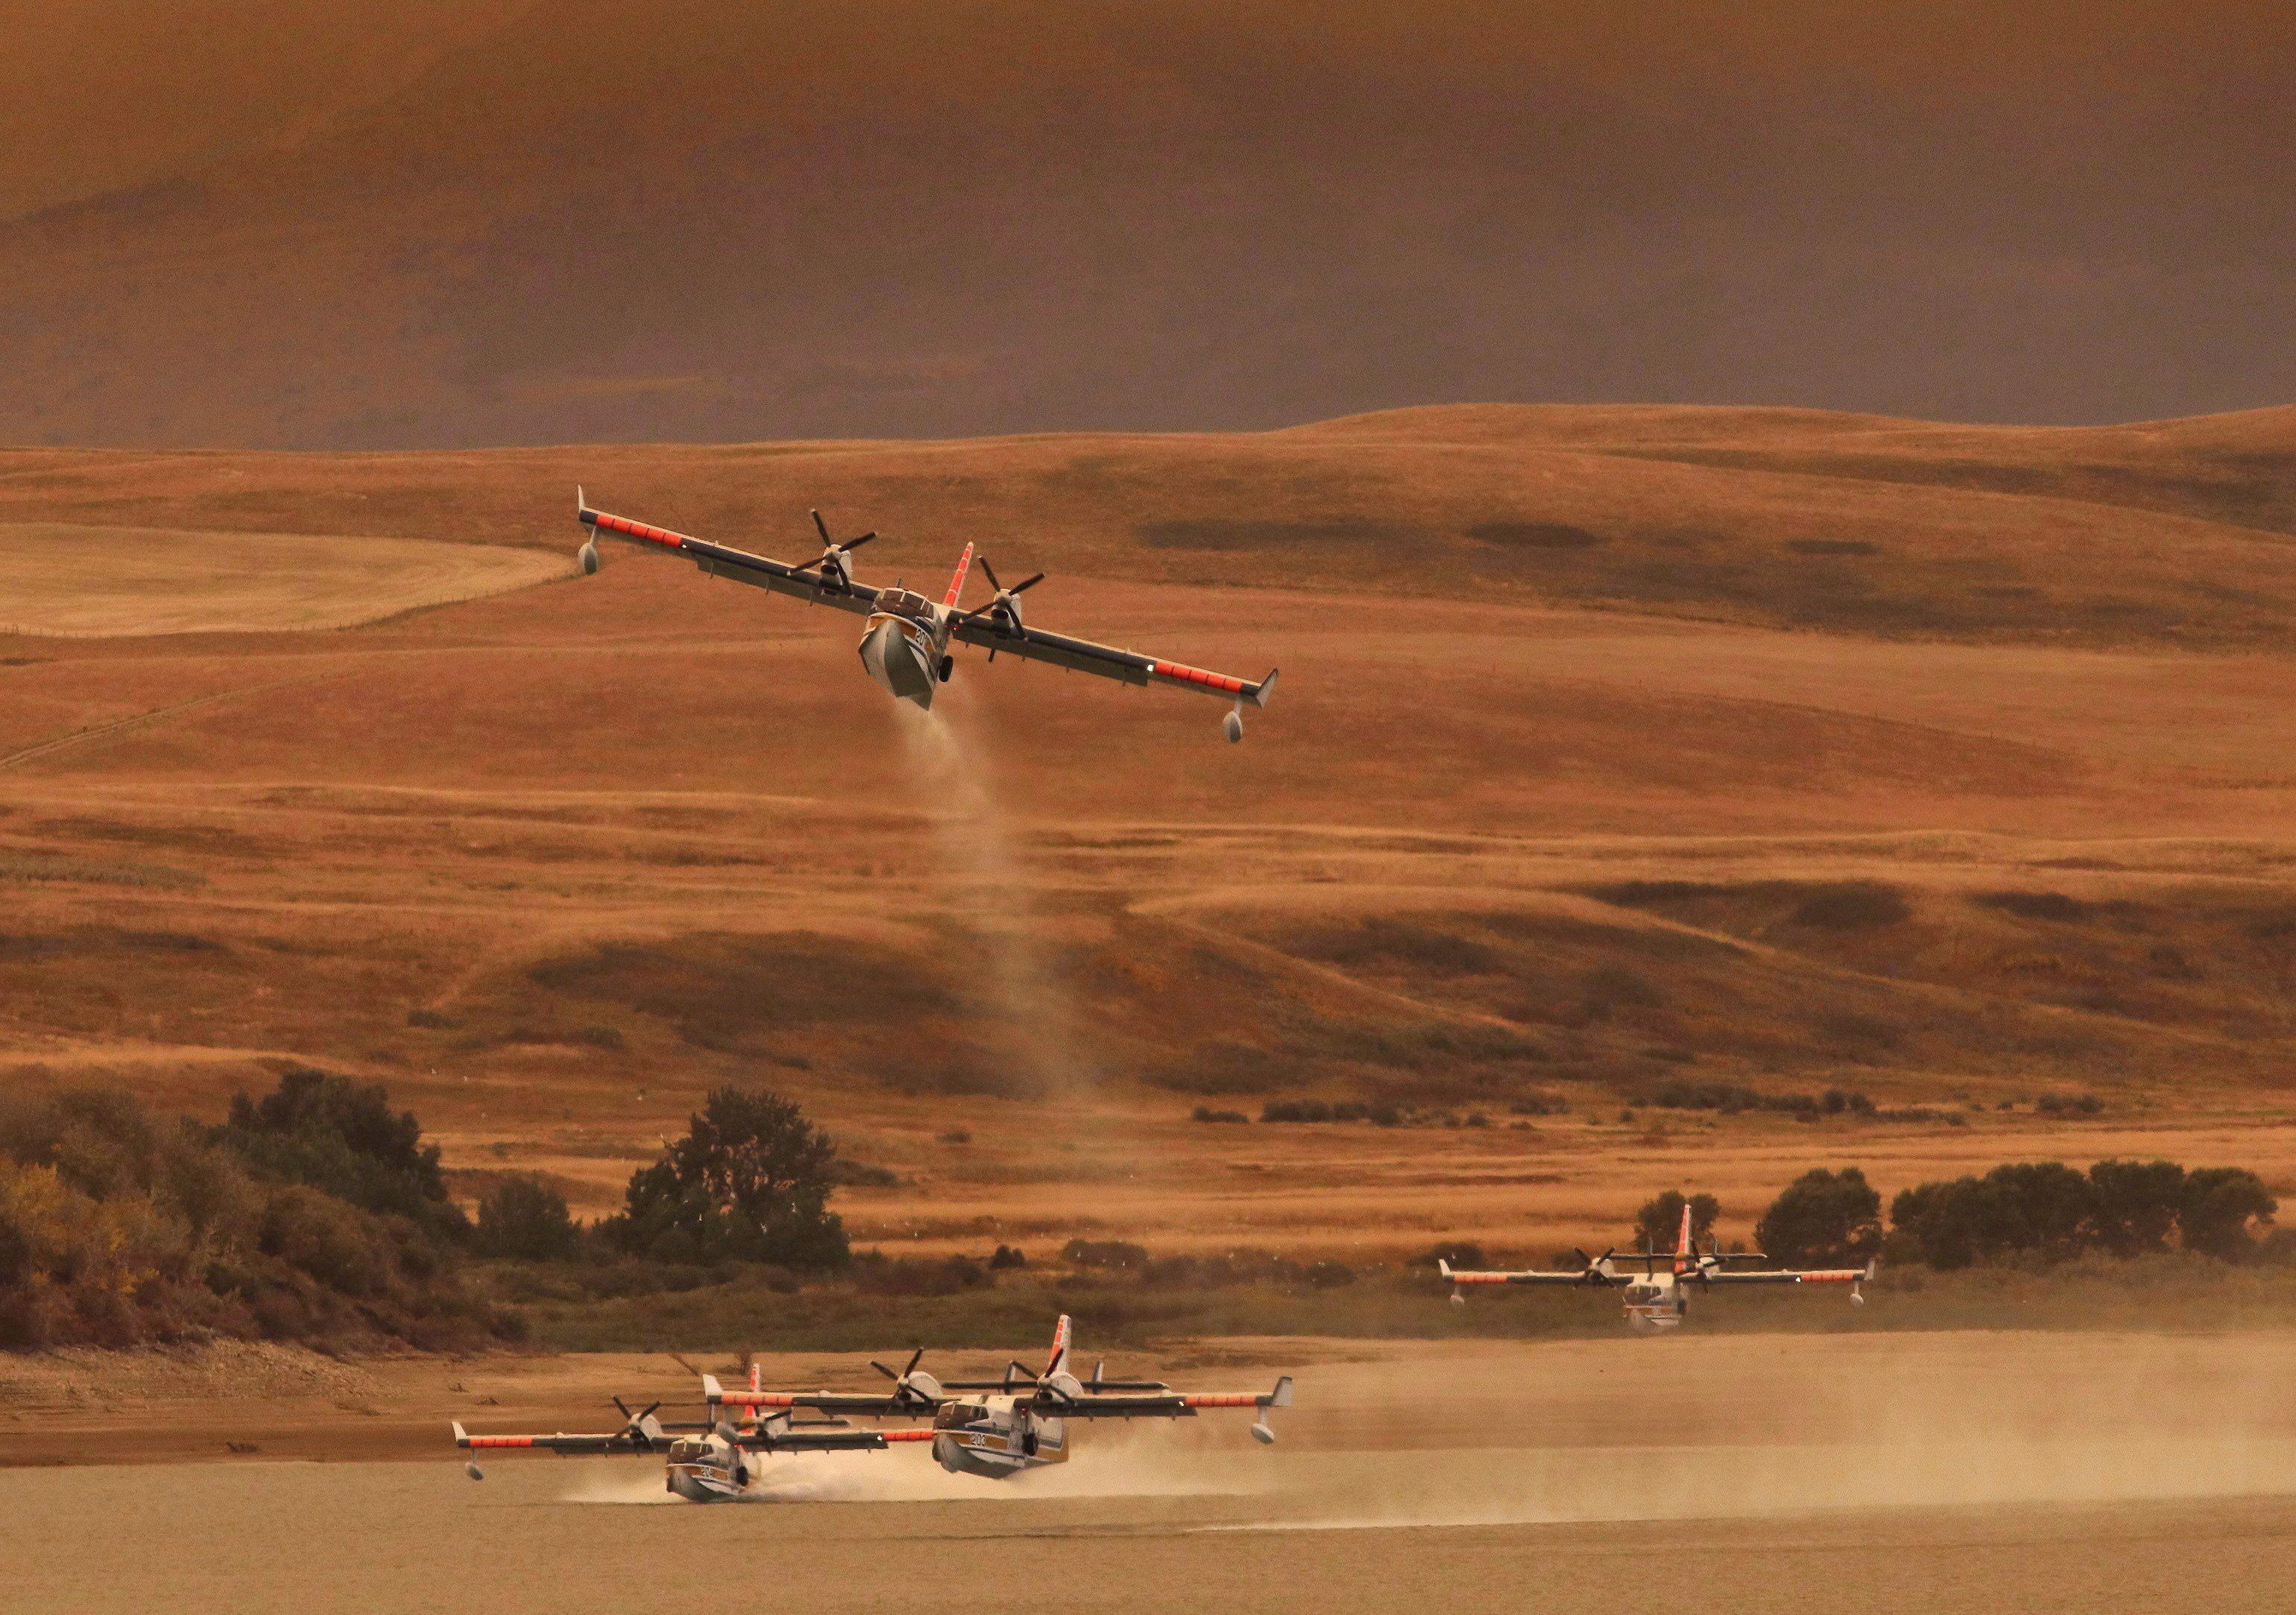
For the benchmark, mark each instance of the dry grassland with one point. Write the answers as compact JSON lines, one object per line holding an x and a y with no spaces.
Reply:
{"x":1615,"y":749}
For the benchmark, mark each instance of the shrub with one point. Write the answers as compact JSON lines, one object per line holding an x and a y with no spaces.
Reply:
{"x":343,"y":1138}
{"x":525,"y":1219}
{"x":2136,"y":1204}
{"x":1204,"y":1112}
{"x":1822,"y":1219}
{"x":2069,"y":1104}
{"x":751,"y":1181}
{"x":1103,"y":1253}
{"x":1008,"y":1258}
{"x":2219,"y":1202}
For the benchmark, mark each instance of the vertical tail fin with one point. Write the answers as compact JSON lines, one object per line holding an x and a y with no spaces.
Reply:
{"x":1059,"y":1357}
{"x":957,"y":584}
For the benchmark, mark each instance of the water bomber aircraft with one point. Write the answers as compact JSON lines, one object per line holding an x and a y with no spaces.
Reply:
{"x":993,"y":1428}
{"x":905,"y":641}
{"x":1658,"y":1300}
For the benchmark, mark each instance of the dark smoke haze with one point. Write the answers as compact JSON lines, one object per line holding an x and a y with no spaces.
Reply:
{"x":302,"y":223}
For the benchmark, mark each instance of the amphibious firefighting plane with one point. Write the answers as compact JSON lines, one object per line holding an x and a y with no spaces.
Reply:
{"x":1655,"y":1300}
{"x":990,"y":1428}
{"x":998,"y":1428}
{"x":904,"y":645}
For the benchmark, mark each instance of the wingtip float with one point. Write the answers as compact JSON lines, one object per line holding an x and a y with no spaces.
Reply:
{"x":907,"y":638}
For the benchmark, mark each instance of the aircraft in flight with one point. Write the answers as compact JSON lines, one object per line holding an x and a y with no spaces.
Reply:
{"x":998,"y":1428}
{"x":1657,"y":1299}
{"x":995,"y":1428}
{"x":905,"y":641}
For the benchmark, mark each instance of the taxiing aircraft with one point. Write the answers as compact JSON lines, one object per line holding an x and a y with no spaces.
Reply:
{"x":904,"y":642}
{"x":998,"y":1428}
{"x":1656,"y":1299}
{"x":711,"y":1461}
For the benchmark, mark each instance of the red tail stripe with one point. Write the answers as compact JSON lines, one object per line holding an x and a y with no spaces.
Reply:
{"x":1197,"y":675}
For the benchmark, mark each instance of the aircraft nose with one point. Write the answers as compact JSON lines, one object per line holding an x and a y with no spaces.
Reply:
{"x":893,"y":661}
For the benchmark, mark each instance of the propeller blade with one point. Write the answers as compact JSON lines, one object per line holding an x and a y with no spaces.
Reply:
{"x":915,"y":1358}
{"x":623,"y":1407}
{"x":1021,"y":587}
{"x":821,"y":527}
{"x":989,"y":572}
{"x":855,"y":544}
{"x":881,"y":1369}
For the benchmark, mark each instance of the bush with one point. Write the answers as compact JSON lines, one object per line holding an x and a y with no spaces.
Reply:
{"x":1008,"y":1258}
{"x":2049,"y":1210}
{"x":2069,"y":1104}
{"x":2219,"y":1202}
{"x":1103,"y":1253}
{"x":115,"y":1231}
{"x":1822,"y":1219}
{"x":751,"y":1181}
{"x":524,"y":1219}
{"x":1204,"y":1112}
{"x":343,"y":1138}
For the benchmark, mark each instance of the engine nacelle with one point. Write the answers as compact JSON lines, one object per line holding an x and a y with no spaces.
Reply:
{"x":1066,"y":1384}
{"x":923,"y":1384}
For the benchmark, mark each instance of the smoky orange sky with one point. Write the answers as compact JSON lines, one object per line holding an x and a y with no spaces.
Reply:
{"x":300,"y":224}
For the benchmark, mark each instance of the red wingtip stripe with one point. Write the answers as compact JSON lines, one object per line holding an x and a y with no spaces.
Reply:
{"x":1197,"y":675}
{"x":957,"y":584}
{"x":906,"y":1435}
{"x":758,"y":1399}
{"x":639,"y":530}
{"x":502,"y":1441}
{"x":1221,"y":1401}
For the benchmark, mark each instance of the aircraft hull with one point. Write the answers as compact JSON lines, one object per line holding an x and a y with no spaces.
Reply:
{"x":900,"y":659}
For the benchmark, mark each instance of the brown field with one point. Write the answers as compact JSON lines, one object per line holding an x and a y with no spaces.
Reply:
{"x":1615,"y":748}
{"x":1934,"y":1473}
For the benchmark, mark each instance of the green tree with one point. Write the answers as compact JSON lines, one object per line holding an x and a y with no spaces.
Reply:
{"x":750,"y":1180}
{"x":524,"y":1218}
{"x":2219,"y":1204}
{"x":343,"y":1137}
{"x":2136,"y":1204}
{"x":1658,"y":1225}
{"x":1822,"y":1219}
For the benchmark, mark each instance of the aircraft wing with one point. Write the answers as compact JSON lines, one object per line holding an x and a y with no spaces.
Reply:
{"x":856,"y":1405}
{"x":804,"y":584}
{"x":999,"y":636}
{"x":780,"y":1437}
{"x":1791,"y":1275}
{"x":1157,"y":1404}
{"x":632,"y":1440}
{"x":1585,"y":1277}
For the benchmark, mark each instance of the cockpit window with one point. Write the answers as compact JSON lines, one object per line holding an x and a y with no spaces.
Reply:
{"x":957,"y":1416}
{"x":900,"y":602}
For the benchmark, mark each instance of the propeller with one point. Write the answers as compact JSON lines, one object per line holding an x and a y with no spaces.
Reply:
{"x":1005,"y":607}
{"x":832,"y":559}
{"x":633,"y":1424}
{"x":910,"y":1388}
